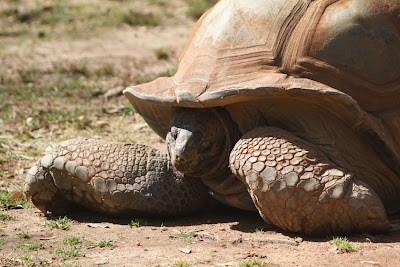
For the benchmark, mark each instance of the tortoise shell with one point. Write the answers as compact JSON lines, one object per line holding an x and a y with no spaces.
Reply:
{"x":328,"y":68}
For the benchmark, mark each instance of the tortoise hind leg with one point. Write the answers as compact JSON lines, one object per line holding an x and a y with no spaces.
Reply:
{"x":296,"y":187}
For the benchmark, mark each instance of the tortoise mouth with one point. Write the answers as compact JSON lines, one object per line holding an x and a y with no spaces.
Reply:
{"x":182,"y":161}
{"x":183,"y":166}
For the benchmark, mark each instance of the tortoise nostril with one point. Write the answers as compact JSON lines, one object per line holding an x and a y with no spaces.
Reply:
{"x":174,"y":132}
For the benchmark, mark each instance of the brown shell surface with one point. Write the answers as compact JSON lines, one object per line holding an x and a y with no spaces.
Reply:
{"x":264,"y":58}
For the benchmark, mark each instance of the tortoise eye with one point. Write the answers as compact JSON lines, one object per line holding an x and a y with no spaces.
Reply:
{"x":174,"y":132}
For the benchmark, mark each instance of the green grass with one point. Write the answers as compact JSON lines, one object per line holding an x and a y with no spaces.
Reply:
{"x":64,"y":86}
{"x":33,"y":152}
{"x":259,"y":230}
{"x":106,"y":243}
{"x":5,"y":217}
{"x":29,"y":260}
{"x":125,"y":109}
{"x":12,"y":199}
{"x":134,"y":18}
{"x":158,"y":2}
{"x":76,"y":70}
{"x":107,"y":70}
{"x":4,"y":158}
{"x":57,"y":12}
{"x":23,"y":235}
{"x":180,"y":264}
{"x":64,"y":264}
{"x":2,"y":242}
{"x":54,"y":18}
{"x":31,"y":246}
{"x":137,"y":222}
{"x":148,"y":77}
{"x":343,"y":244}
{"x":78,"y":119}
{"x":73,"y":241}
{"x":199,"y":7}
{"x":63,"y":223}
{"x":163,"y":228}
{"x":5,"y":113}
{"x":69,"y":252}
{"x":253,"y":263}
{"x":72,"y":249}
{"x":161,"y":53}
{"x":22,"y":136}
{"x":184,"y":235}
{"x":28,"y":75}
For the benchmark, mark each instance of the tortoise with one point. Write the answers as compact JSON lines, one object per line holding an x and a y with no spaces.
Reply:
{"x":290,"y":108}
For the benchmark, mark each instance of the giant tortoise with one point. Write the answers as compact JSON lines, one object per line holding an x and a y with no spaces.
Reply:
{"x":288,"y":107}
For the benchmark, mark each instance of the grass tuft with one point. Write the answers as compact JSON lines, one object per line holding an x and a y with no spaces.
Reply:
{"x":137,"y":222}
{"x":31,"y":246}
{"x":134,"y":18}
{"x":198,"y":7}
{"x":259,"y":230}
{"x":162,"y":53}
{"x":144,"y":77}
{"x":180,"y":264}
{"x":9,"y":199}
{"x":343,"y":244}
{"x":63,"y":223}
{"x":5,"y":217}
{"x":107,"y":70}
{"x":65,"y":253}
{"x":73,"y":241}
{"x":163,"y":228}
{"x":253,"y":263}
{"x":23,"y":235}
{"x":158,"y":2}
{"x":107,"y":243}
{"x":76,"y":70}
{"x":29,"y":260}
{"x":184,"y":235}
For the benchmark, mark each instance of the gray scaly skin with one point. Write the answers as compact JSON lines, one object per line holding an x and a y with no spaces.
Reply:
{"x":292,"y":183}
{"x":112,"y":178}
{"x":296,"y":187}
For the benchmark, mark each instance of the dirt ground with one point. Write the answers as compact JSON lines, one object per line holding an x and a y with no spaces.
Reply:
{"x":61,"y":78}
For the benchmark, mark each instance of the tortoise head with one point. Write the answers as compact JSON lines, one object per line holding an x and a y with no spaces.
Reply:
{"x":200,"y":140}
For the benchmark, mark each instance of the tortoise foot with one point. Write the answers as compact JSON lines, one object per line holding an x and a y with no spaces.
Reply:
{"x":41,"y":188}
{"x":112,"y":178}
{"x":296,"y":187}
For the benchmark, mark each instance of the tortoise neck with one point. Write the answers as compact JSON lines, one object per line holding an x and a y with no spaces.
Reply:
{"x":232,"y":135}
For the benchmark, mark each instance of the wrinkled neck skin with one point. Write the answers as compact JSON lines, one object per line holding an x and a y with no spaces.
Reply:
{"x":200,"y":141}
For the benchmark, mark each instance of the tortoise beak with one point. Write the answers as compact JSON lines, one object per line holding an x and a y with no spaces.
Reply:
{"x":179,"y":151}
{"x":181,"y":144}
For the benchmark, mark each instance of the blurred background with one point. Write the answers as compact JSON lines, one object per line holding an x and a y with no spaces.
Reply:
{"x":64,"y":64}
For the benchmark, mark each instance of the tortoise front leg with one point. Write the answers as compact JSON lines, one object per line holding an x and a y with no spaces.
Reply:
{"x":296,"y":187}
{"x":113,"y":178}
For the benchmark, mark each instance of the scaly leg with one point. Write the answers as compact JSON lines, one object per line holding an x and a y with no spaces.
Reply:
{"x":296,"y":187}
{"x":113,"y":178}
